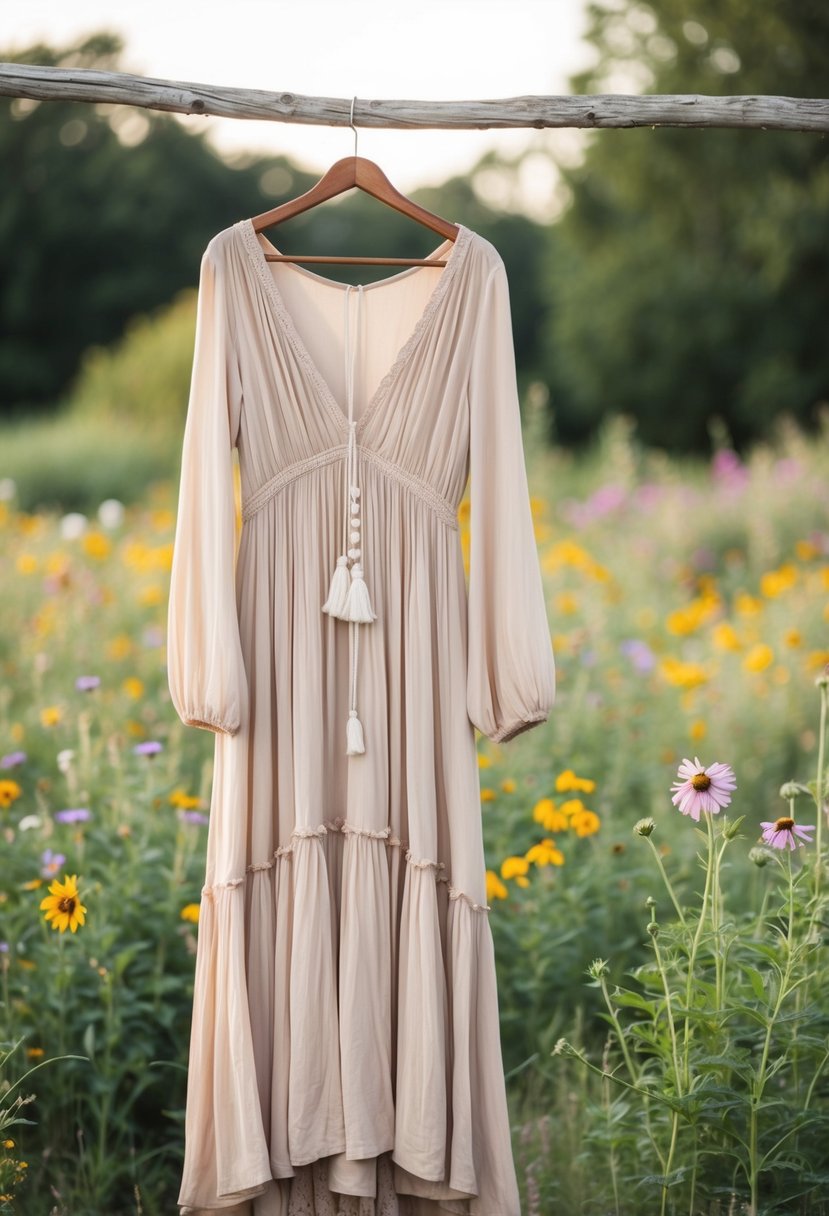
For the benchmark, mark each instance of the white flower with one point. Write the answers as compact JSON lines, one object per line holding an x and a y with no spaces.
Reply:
{"x":29,"y":821}
{"x":73,"y":525}
{"x":8,"y":489}
{"x":111,"y":513}
{"x":65,"y":759}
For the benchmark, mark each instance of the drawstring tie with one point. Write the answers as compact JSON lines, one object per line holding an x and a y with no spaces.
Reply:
{"x":348,"y":597}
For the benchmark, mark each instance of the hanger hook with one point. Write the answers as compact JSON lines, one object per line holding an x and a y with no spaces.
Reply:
{"x":351,"y":123}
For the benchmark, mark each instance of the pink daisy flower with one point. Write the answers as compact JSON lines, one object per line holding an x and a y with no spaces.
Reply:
{"x":702,"y":788}
{"x":783,"y":832}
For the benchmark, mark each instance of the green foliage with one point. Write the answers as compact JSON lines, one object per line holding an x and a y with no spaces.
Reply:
{"x":73,"y":463}
{"x":110,"y":212}
{"x":725,"y":1004}
{"x":688,"y":274}
{"x":144,"y":378}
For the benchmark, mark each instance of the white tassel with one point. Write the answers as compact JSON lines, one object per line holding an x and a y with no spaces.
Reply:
{"x":354,"y":734}
{"x":338,"y":591}
{"x":358,"y":605}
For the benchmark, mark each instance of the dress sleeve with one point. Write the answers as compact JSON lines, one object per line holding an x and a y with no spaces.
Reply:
{"x":205,"y":668}
{"x":510,"y":664}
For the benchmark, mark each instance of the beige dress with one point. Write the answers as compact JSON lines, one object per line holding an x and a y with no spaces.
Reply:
{"x":345,"y":1057}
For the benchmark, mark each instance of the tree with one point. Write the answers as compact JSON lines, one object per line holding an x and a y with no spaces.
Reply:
{"x":688,"y":276}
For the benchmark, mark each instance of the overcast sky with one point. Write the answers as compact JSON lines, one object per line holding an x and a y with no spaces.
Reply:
{"x":439,"y":49}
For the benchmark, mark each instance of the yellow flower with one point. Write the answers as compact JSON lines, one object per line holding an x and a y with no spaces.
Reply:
{"x":566,"y":603}
{"x":543,"y":808}
{"x":573,"y":806}
{"x":522,"y":881}
{"x":150,"y":595}
{"x":698,"y":729}
{"x":688,"y":619}
{"x":96,"y":544}
{"x":26,"y":563}
{"x":747,"y":605}
{"x":63,"y":907}
{"x":34,"y":1051}
{"x":792,"y":637}
{"x":585,"y":823}
{"x":725,"y":636}
{"x":512,"y":867}
{"x":495,"y":889}
{"x":759,"y":657}
{"x":9,"y":791}
{"x":569,"y":781}
{"x":488,"y":795}
{"x":51,"y":715}
{"x":805,"y":550}
{"x":190,"y":912}
{"x":817,"y":659}
{"x":186,"y":801}
{"x":484,"y":760}
{"x":32,"y":884}
{"x":162,"y":519}
{"x":119,"y":647}
{"x":545,"y":854}
{"x":682,"y":675}
{"x":133,"y":687}
{"x":775,"y":582}
{"x":508,"y":785}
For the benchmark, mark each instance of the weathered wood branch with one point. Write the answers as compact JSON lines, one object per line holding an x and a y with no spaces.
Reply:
{"x":599,"y":110}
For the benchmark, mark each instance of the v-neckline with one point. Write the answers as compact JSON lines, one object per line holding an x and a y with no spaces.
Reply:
{"x":456,"y":251}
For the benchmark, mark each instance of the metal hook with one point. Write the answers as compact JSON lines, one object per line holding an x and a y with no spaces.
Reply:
{"x":351,"y":123}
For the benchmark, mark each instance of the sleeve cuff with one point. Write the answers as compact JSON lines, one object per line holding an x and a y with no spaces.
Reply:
{"x":218,"y":728}
{"x":517,"y":728}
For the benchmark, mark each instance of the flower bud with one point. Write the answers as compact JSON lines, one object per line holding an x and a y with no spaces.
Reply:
{"x":644,"y":827}
{"x":650,"y":902}
{"x":791,"y":789}
{"x":597,"y":968}
{"x":653,"y":928}
{"x":730,"y":830}
{"x":761,"y":857}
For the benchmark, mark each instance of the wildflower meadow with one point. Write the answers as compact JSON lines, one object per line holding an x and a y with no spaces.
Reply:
{"x":656,"y":851}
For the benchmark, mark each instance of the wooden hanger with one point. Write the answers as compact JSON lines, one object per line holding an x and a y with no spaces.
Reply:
{"x":343,"y":175}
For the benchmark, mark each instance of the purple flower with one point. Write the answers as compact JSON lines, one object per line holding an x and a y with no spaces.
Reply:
{"x":73,"y":815}
{"x":703,"y":788}
{"x":50,"y":863}
{"x":4,"y":947}
{"x":87,"y":683}
{"x":153,"y":636}
{"x":783,"y":832}
{"x":150,"y":748}
{"x":12,"y":759}
{"x":639,"y":653}
{"x":193,"y":817}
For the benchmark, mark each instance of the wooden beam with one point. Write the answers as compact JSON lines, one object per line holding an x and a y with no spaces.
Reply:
{"x":599,"y":110}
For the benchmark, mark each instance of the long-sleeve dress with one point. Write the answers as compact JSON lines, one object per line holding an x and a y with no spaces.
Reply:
{"x":345,"y":1057}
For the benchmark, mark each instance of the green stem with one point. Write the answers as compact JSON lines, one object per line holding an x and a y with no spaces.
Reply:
{"x":619,"y":1033}
{"x":613,"y":1167}
{"x":716,"y":918}
{"x":674,"y":1127}
{"x":819,"y":790}
{"x":693,"y":955}
{"x":666,"y":880}
{"x":760,"y":1080}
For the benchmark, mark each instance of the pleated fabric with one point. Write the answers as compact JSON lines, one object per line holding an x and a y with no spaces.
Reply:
{"x":345,"y":1057}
